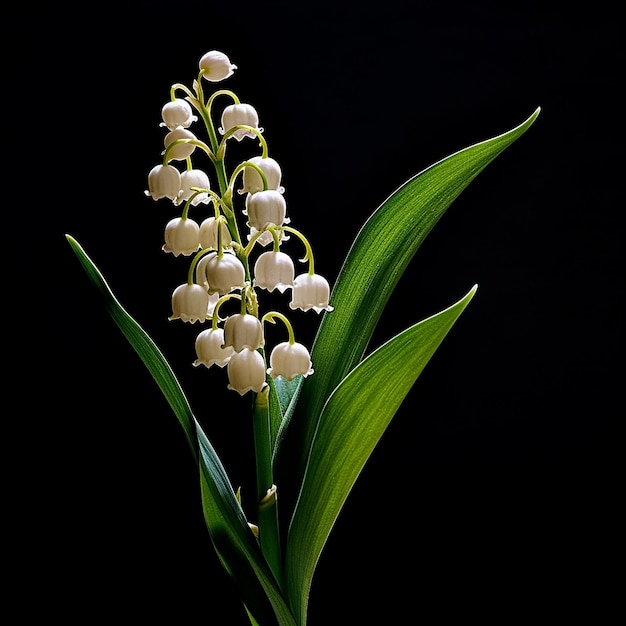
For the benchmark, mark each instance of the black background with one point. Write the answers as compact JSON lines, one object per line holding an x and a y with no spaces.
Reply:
{"x":492,"y":495}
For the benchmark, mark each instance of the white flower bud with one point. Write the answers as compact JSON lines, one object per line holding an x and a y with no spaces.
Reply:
{"x":177,"y":113}
{"x":243,"y":331}
{"x":189,"y":303}
{"x":182,"y":236}
{"x":310,"y":291}
{"x":189,"y":179}
{"x":289,"y":360}
{"x":163,"y":182}
{"x":224,"y":273}
{"x":238,"y":114}
{"x":182,"y":150}
{"x":210,"y":349}
{"x":265,"y":208}
{"x":252,"y":181}
{"x":208,"y":234}
{"x":216,"y":66}
{"x":274,"y":270}
{"x":246,"y":372}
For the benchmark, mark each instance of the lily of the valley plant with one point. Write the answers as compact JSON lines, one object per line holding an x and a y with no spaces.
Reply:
{"x":333,"y":399}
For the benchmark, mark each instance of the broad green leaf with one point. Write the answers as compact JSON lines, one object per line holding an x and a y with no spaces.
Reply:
{"x":378,"y":257}
{"x":149,"y":353}
{"x":352,"y":422}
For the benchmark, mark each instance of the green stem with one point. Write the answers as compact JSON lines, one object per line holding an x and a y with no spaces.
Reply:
{"x":269,"y":536}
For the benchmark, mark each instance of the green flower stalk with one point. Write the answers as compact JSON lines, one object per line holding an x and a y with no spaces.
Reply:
{"x":335,"y":398}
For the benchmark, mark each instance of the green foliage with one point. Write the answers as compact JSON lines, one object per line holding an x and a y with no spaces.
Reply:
{"x":336,"y":417}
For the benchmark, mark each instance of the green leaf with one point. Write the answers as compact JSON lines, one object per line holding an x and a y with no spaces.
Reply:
{"x":151,"y":356}
{"x":378,"y":257}
{"x":352,"y":422}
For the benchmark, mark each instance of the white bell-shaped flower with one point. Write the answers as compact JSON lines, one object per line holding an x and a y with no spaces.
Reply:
{"x":274,"y":270}
{"x":210,"y":349}
{"x":180,"y":151}
{"x":289,"y":360}
{"x":246,"y":372}
{"x":193,"y":178}
{"x":243,"y":331}
{"x":208,"y":234}
{"x":189,"y":303}
{"x":310,"y":291}
{"x":240,"y":114}
{"x":163,"y":182}
{"x":176,"y":113}
{"x":252,"y":181}
{"x":216,"y":66}
{"x":182,"y":236}
{"x":224,"y":273}
{"x":265,"y":208}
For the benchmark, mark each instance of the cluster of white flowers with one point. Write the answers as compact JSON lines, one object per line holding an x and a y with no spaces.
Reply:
{"x":223,"y":267}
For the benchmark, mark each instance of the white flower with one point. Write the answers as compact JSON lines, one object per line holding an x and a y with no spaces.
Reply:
{"x":240,"y":114}
{"x":289,"y":360}
{"x":163,"y":182}
{"x":274,"y":270}
{"x":182,"y":236}
{"x":224,"y":273}
{"x":210,"y":350}
{"x":189,"y":179}
{"x":208,"y":234}
{"x":189,"y":303}
{"x":252,"y":181}
{"x":243,"y":331}
{"x":177,"y":113}
{"x":265,"y":208}
{"x":216,"y":66}
{"x":180,"y":151}
{"x":246,"y":371}
{"x":310,"y":291}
